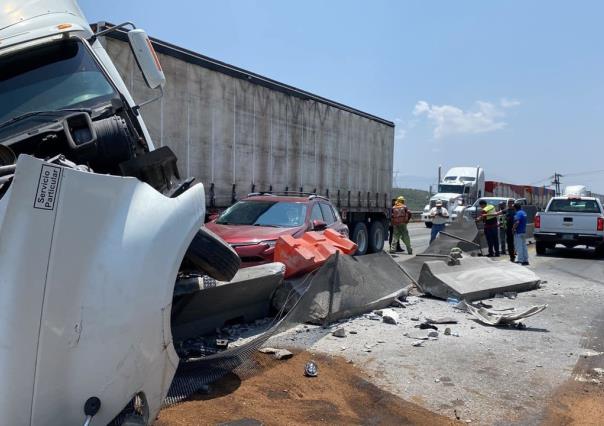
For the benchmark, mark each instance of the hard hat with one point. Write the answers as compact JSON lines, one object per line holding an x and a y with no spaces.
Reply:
{"x":439,"y":203}
{"x":401,"y":198}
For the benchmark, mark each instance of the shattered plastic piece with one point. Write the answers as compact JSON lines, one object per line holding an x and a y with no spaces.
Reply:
{"x":418,"y":343}
{"x":311,"y":369}
{"x":490,"y":317}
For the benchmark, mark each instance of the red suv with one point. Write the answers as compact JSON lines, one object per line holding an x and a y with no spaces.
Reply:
{"x":253,"y":225}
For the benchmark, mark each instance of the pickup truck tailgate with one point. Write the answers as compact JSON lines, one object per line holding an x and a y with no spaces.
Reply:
{"x":569,"y":223}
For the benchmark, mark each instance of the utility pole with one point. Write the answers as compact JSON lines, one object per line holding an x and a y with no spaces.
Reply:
{"x":556,"y":182}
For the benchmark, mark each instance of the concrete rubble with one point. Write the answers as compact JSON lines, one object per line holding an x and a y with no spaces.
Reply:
{"x":475,"y":278}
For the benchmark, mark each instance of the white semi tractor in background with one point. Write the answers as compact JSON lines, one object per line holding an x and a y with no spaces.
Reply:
{"x":457,"y":189}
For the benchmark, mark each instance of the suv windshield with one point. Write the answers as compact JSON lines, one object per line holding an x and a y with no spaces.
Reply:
{"x":574,"y":206}
{"x":264,"y":213}
{"x":51,"y":76}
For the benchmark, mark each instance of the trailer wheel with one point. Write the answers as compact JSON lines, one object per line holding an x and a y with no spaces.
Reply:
{"x":360,"y":237}
{"x":377,"y":236}
{"x":540,"y":248}
{"x":428,"y":224}
{"x":209,"y":253}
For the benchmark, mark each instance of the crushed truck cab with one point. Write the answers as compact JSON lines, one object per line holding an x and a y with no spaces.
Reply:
{"x":94,"y":226}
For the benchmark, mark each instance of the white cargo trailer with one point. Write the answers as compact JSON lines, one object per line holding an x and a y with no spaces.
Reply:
{"x":239,"y":132}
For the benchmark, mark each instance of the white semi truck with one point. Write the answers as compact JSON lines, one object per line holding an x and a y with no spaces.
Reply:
{"x":458,"y":188}
{"x":94,"y":226}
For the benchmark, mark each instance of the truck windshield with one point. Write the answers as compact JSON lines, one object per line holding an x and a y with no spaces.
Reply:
{"x":52,"y":76}
{"x":264,"y":213}
{"x":450,"y":189}
{"x":574,"y":206}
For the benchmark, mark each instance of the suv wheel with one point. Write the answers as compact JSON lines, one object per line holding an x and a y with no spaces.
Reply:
{"x":377,"y":235}
{"x":360,"y":237}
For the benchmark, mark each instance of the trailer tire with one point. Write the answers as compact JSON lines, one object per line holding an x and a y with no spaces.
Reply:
{"x":428,"y":224}
{"x":209,"y":253}
{"x":377,"y":236}
{"x":360,"y":237}
{"x":540,"y":248}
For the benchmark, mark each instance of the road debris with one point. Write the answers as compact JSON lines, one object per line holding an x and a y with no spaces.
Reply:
{"x":443,"y":320}
{"x":340,"y":332}
{"x":389,"y":316}
{"x":277,"y":353}
{"x":311,"y":369}
{"x":491,"y":317}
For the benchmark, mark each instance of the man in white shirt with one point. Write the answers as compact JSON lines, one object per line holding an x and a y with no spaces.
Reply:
{"x":439,"y":216}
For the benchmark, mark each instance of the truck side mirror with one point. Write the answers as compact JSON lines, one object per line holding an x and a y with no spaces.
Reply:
{"x":146,"y":58}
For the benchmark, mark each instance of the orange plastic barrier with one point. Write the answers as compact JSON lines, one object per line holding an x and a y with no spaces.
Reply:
{"x":307,"y":253}
{"x":340,"y":242}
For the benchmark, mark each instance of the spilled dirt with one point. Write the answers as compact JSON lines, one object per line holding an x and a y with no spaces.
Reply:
{"x":576,"y":403}
{"x":280,"y":394}
{"x":580,"y":401}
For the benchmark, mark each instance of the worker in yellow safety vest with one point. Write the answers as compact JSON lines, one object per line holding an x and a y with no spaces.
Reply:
{"x":401,"y":215}
{"x":488,"y":215}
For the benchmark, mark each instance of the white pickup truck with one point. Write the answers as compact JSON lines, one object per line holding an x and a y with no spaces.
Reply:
{"x":570,"y":221}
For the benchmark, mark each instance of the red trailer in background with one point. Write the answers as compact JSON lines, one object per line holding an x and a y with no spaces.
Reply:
{"x":538,"y":196}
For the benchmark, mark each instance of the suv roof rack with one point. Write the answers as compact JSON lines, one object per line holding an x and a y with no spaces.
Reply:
{"x":309,"y":195}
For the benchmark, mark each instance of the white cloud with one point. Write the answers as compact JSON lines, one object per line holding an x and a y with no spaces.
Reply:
{"x":451,"y":120}
{"x":509,"y":103}
{"x":399,"y":130}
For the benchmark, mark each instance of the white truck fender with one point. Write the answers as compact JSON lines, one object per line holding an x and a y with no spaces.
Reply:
{"x":87,"y":270}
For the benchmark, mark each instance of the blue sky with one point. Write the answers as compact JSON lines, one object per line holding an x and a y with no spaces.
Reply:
{"x":514,"y":86}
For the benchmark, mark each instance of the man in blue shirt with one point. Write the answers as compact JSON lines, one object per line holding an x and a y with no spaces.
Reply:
{"x":520,"y":235}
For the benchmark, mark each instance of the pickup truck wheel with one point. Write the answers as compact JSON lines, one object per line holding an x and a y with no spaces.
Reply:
{"x":377,"y":235}
{"x":211,"y":255}
{"x":540,"y":247}
{"x":428,"y":224}
{"x":360,"y":237}
{"x":600,"y":251}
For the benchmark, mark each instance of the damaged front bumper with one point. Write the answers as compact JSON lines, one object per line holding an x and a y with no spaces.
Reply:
{"x":86,"y":292}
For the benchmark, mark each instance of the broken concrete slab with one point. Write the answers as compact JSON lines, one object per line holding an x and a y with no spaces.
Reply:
{"x":199,"y":308}
{"x":345,"y":286}
{"x":475,"y":278}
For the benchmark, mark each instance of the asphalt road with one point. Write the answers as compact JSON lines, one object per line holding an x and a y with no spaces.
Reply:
{"x":487,"y":375}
